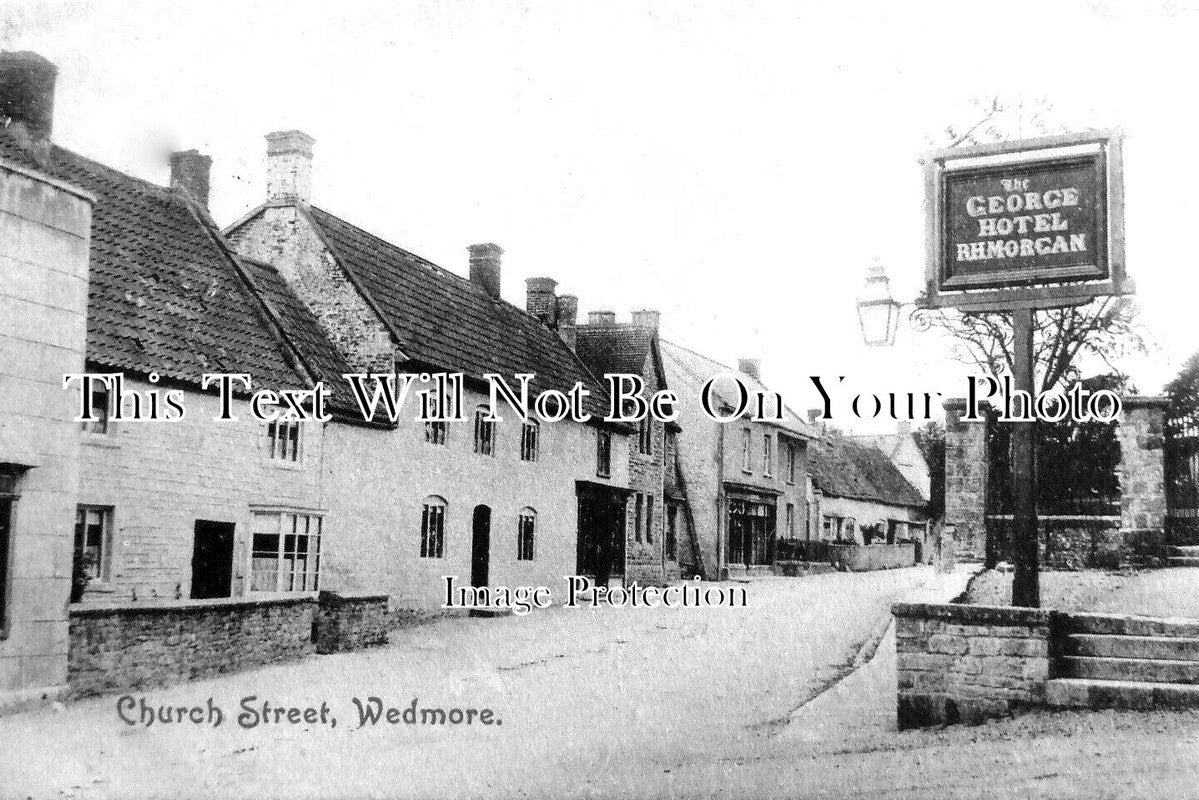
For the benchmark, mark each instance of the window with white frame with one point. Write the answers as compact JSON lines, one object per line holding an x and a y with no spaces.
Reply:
{"x":526,"y":533}
{"x":603,"y":454}
{"x":767,"y":454}
{"x":645,"y":436}
{"x":435,"y":432}
{"x":285,"y":553}
{"x":530,"y":440}
{"x":746,"y":451}
{"x":101,"y":406}
{"x":432,"y":528}
{"x":649,"y":519}
{"x":283,"y":440}
{"x":484,"y":433}
{"x":93,"y":541}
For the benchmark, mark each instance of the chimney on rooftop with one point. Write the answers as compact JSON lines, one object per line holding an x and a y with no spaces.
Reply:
{"x":647,"y":318}
{"x":27,"y":94}
{"x":485,"y":267}
{"x":903,"y":427}
{"x":289,"y":167}
{"x":751,"y":367}
{"x":601,"y":318}
{"x":190,"y":170}
{"x":540,"y":300}
{"x":568,"y":318}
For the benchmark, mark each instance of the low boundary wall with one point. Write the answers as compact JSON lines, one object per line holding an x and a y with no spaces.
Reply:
{"x":865,"y":557}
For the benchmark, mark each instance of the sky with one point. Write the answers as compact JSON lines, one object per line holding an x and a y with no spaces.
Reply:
{"x":737,"y":166}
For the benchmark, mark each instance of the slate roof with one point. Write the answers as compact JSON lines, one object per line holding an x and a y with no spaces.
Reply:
{"x":616,"y":349}
{"x":446,"y":321}
{"x":164,"y":293}
{"x":687,"y":371}
{"x":844,"y":468}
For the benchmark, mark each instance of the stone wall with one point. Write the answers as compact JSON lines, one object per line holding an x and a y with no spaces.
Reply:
{"x":960,"y":663}
{"x":866,"y":557}
{"x":1142,"y":463}
{"x":350,"y":621}
{"x":45,"y":231}
{"x":114,"y":648}
{"x":966,"y":480}
{"x":1068,"y":543}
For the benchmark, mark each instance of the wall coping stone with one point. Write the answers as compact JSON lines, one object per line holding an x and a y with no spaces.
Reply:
{"x":188,"y":606}
{"x":1145,"y":401}
{"x":339,"y":597}
{"x":982,"y":615}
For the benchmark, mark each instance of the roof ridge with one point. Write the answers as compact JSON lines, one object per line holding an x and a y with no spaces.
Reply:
{"x":156,"y":187}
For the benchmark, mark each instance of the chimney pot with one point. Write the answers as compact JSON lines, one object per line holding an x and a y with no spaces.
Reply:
{"x":190,"y":172}
{"x":814,"y":414}
{"x":540,"y":300}
{"x":647,"y":318}
{"x":289,"y":166}
{"x":485,"y":267}
{"x":601,"y":318}
{"x":751,"y":367}
{"x":27,"y":93}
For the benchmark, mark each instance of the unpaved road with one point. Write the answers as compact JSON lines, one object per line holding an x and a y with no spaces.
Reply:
{"x":592,"y":703}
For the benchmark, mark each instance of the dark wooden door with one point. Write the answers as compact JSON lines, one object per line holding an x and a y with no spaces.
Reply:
{"x":480,"y":551}
{"x":5,"y":534}
{"x":212,"y":559}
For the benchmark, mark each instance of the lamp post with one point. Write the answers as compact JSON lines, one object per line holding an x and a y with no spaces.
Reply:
{"x":878,"y":311}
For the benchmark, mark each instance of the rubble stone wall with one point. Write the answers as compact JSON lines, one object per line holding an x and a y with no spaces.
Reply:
{"x":961,"y":663}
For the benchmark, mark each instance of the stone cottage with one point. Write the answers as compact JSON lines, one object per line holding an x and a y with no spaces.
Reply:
{"x":508,"y":502}
{"x":652,"y":545}
{"x":746,"y":480}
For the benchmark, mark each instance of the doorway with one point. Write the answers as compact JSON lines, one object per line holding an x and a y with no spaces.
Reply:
{"x":212,"y":560}
{"x":480,"y":558}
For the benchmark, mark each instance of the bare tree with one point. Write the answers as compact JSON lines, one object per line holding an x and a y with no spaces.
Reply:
{"x":1102,"y":332}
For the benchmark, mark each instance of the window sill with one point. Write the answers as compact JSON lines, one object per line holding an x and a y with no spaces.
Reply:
{"x":100,"y":440}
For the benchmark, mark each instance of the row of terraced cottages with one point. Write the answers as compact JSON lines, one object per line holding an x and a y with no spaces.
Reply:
{"x":108,"y":273}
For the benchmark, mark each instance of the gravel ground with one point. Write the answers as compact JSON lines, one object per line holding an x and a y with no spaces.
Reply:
{"x":1066,"y":591}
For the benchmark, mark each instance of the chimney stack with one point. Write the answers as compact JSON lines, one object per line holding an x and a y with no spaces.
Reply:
{"x":27,"y":94}
{"x":289,"y":167}
{"x":485,"y":267}
{"x":647,"y":318}
{"x":903,"y":427}
{"x":540,"y":300}
{"x":189,"y":172}
{"x":814,"y":415}
{"x":751,"y":367}
{"x":601,"y":318}
{"x":568,"y":318}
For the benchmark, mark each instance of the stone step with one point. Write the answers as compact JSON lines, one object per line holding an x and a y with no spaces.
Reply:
{"x":1170,"y":648}
{"x":1182,"y":561}
{"x":1190,"y":550}
{"x":1129,"y":669}
{"x":1130,"y":625}
{"x":1080,"y":693}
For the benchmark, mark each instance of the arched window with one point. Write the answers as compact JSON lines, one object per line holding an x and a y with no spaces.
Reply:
{"x":432,"y":528}
{"x":526,"y":534}
{"x":484,"y":432}
{"x":530,"y":440}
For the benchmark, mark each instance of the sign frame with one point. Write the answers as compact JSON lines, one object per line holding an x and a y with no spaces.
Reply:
{"x":1044,"y":288}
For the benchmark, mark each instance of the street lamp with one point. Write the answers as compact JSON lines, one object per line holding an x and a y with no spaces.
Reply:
{"x":878,"y":311}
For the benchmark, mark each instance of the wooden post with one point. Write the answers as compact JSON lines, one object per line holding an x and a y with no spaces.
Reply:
{"x":1026,"y":581}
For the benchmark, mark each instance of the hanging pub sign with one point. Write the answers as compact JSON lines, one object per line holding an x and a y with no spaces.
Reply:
{"x":1037,"y":219}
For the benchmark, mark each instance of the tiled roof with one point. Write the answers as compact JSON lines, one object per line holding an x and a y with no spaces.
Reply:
{"x":611,"y":350}
{"x":446,"y":321}
{"x":844,"y":468}
{"x":163,"y":294}
{"x":687,"y":371}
